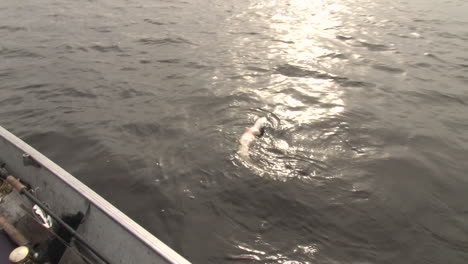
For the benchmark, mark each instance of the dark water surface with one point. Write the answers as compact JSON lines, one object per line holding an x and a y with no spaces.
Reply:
{"x":365,"y":159}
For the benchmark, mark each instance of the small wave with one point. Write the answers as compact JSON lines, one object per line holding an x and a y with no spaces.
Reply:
{"x":283,"y":162}
{"x":15,"y":100}
{"x":415,"y":35}
{"x":106,"y":48}
{"x":128,"y":69}
{"x":145,"y":61}
{"x":244,"y":33}
{"x":170,"y":61}
{"x":344,"y":38}
{"x":72,"y":48}
{"x":422,"y":65}
{"x":433,"y":56}
{"x":196,"y":65}
{"x":12,"y":28}
{"x":386,"y":68}
{"x":363,"y":43}
{"x":315,"y":164}
{"x":244,"y":257}
{"x":463,"y":58}
{"x":257,"y":69}
{"x":164,"y":41}
{"x":102,"y":29}
{"x":350,"y":83}
{"x":335,"y":55}
{"x":18,"y":53}
{"x":28,"y":114}
{"x":272,"y":255}
{"x":128,"y":92}
{"x":155,"y":22}
{"x":429,"y":21}
{"x":448,"y":35}
{"x":142,"y":130}
{"x":32,"y":86}
{"x":431,"y":97}
{"x":301,"y":96}
{"x":412,"y":35}
{"x":296,"y":71}
{"x":462,"y":78}
{"x":6,"y":72}
{"x":283,"y":41}
{"x":68,"y":91}
{"x":372,"y":46}
{"x":360,"y":194}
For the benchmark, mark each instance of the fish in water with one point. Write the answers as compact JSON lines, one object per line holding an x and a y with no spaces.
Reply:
{"x":249,"y":136}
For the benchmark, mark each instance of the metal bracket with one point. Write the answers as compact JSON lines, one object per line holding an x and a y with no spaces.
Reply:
{"x":30,"y":161}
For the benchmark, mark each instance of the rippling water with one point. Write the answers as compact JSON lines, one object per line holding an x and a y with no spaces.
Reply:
{"x":364,"y":160}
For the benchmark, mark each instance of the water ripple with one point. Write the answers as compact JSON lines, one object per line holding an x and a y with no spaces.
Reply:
{"x":12,"y":28}
{"x":17,"y":53}
{"x":363,"y":159}
{"x":106,"y":48}
{"x":164,"y":41}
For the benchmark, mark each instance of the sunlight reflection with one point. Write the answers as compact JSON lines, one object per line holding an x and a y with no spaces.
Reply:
{"x":267,"y":255}
{"x":301,"y":26}
{"x":298,"y":89}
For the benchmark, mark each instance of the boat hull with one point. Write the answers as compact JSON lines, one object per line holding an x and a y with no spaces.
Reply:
{"x":107,"y":229}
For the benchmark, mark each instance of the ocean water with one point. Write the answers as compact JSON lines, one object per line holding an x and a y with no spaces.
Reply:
{"x":363,"y":160}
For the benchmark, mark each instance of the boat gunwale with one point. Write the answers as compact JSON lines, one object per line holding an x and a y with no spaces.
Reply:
{"x":107,"y":208}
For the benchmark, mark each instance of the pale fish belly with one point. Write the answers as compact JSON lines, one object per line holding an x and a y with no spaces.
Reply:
{"x":246,"y":139}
